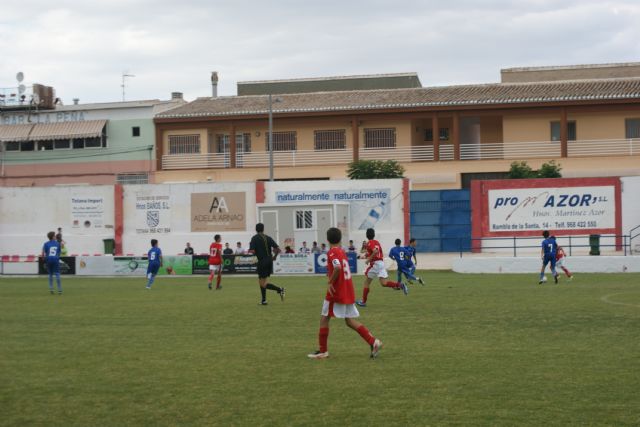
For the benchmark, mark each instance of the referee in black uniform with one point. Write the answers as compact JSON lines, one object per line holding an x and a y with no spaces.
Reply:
{"x":266,"y":250}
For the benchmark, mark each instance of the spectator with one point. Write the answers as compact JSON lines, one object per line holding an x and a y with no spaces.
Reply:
{"x":304,"y":249}
{"x":315,"y":249}
{"x":188,"y":250}
{"x":323,"y":248}
{"x":289,"y":250}
{"x":351,"y":247}
{"x":239,"y":249}
{"x":227,"y":250}
{"x":63,"y":245}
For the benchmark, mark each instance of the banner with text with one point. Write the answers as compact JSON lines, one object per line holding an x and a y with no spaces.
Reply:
{"x":87,"y":214}
{"x":153,"y":214}
{"x":293,"y":264}
{"x":224,"y":211}
{"x":564,"y":206}
{"x":369,"y":208}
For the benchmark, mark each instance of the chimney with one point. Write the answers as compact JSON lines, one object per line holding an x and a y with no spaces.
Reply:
{"x":176,"y":95}
{"x":214,"y":84}
{"x":76,"y":101}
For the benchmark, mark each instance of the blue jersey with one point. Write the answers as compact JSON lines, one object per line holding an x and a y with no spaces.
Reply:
{"x":154,"y":255}
{"x":549,"y":247}
{"x":398,"y":254}
{"x":409,"y":253}
{"x":51,"y":251}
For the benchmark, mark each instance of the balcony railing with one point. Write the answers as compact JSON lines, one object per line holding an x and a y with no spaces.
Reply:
{"x":505,"y":151}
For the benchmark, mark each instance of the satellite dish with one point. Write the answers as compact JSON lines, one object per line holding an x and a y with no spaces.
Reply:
{"x":20,"y":76}
{"x":21,"y":88}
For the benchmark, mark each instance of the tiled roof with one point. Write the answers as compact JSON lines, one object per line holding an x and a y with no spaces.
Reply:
{"x":367,"y":100}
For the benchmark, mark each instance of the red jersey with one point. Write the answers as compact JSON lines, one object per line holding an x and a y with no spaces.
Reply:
{"x":559,"y":253}
{"x":343,"y":292}
{"x":215,"y":254}
{"x":371,"y":245}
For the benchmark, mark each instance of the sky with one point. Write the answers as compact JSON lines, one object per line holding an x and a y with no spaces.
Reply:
{"x":82,"y":48}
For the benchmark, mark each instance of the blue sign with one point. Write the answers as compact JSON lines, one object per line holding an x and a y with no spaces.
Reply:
{"x":320,"y":263}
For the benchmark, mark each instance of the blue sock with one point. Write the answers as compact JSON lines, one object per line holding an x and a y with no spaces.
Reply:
{"x":150,"y":281}
{"x":58,"y":282}
{"x":51,"y":282}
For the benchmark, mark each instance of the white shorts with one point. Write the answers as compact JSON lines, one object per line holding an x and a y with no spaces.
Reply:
{"x":214,"y":267}
{"x":341,"y":311}
{"x":560,"y":262}
{"x":376,"y":270}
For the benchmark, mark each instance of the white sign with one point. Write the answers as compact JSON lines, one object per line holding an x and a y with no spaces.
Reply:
{"x":293,"y":264}
{"x":87,"y":213}
{"x":94,"y":266}
{"x":563,"y":208}
{"x":153,"y":214}
{"x":369,"y":208}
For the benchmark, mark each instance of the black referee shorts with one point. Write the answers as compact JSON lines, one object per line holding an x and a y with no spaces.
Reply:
{"x":265,"y":268}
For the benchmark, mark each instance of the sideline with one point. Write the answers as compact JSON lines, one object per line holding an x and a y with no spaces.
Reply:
{"x":606,"y":299}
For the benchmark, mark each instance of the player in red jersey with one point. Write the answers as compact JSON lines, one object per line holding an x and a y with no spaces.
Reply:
{"x":340,"y":297}
{"x":560,"y":257}
{"x":215,"y":262}
{"x":376,"y":269}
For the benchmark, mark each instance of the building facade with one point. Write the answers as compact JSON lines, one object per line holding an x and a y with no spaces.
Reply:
{"x":443,"y":136}
{"x":102,"y":143}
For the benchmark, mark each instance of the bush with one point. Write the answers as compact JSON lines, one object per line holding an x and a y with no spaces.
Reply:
{"x":375,"y":169}
{"x":521,"y":170}
{"x":550,"y":170}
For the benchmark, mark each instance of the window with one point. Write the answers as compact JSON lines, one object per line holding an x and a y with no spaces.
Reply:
{"x":444,"y":134}
{"x":571,"y":131}
{"x":304,"y":220}
{"x":92,"y":142}
{"x":329,"y":140}
{"x":243,"y":143}
{"x":12,"y":146}
{"x":26,"y":146}
{"x":632,"y":128}
{"x":184,"y":144}
{"x":135,"y":131}
{"x":380,"y":138}
{"x":45,"y":145}
{"x":132,"y":178}
{"x":282,"y":141}
{"x":61,"y":144}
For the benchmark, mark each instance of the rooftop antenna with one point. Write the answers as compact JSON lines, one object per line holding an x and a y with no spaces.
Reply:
{"x":125,"y":74}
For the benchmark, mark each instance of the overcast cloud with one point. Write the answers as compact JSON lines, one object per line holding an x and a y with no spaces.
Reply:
{"x":82,"y":47}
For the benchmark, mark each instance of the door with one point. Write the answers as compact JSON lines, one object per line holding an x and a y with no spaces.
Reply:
{"x":270,"y":221}
{"x":324,"y":222}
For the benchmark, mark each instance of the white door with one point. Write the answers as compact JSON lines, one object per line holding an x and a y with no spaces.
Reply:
{"x":324,"y":222}
{"x":270,"y":221}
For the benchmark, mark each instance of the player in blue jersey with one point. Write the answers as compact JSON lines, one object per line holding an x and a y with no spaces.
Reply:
{"x":51,"y":258}
{"x":402,"y":255}
{"x":548,"y":254}
{"x":155,"y":262}
{"x":410,"y":256}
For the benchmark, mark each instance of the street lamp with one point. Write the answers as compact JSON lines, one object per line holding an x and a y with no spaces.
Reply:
{"x":271,"y":101}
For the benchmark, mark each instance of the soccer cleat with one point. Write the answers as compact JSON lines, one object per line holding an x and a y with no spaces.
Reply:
{"x":571,"y":277}
{"x":262,"y":303}
{"x":281,"y":293}
{"x":360,"y":303}
{"x":420,"y":281}
{"x":375,"y":348}
{"x":148,"y":288}
{"x":59,"y":292}
{"x":404,"y":288}
{"x":318,"y":355}
{"x":210,"y":286}
{"x":218,"y":287}
{"x":555,"y":279}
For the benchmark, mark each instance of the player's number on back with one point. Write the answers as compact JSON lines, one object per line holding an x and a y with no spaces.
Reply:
{"x":550,"y":247}
{"x":345,"y":269}
{"x":53,"y":251}
{"x":152,"y":257}
{"x":214,"y":252}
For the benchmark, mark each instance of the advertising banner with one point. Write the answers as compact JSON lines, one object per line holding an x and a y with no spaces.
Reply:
{"x":215,"y":212}
{"x":67,"y":265}
{"x":564,"y":206}
{"x":176,"y":265}
{"x":94,"y":266}
{"x":87,"y":214}
{"x":130,"y":265}
{"x":320,"y":263}
{"x":369,"y":208}
{"x":153,"y":213}
{"x":293,"y":264}
{"x":231,"y":264}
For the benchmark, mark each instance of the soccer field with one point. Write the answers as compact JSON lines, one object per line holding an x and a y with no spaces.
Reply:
{"x":465,"y":349}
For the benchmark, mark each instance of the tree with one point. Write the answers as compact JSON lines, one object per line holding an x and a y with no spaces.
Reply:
{"x":550,"y":170}
{"x":521,"y":170}
{"x":375,"y":169}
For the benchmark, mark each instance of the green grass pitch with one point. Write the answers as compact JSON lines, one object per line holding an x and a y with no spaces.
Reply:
{"x":465,"y":350}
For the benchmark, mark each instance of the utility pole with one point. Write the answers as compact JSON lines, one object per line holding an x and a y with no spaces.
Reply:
{"x":124,"y":76}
